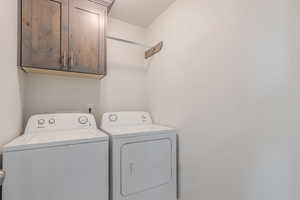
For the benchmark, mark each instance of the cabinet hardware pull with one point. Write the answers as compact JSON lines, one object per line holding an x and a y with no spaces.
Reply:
{"x":65,"y":59}
{"x":71,"y":60}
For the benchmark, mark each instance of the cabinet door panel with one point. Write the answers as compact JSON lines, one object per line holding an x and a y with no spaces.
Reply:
{"x":44,"y":33}
{"x":87,"y":37}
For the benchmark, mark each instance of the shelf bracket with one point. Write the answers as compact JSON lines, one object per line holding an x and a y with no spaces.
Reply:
{"x":154,"y":50}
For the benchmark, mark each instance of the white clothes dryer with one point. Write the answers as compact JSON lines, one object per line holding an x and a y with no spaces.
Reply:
{"x":143,"y":157}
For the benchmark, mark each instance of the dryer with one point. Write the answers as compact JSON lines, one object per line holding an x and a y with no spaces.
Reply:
{"x":143,"y":157}
{"x":60,"y":156}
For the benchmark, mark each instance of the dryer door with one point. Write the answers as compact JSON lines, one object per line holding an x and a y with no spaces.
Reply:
{"x":145,"y":165}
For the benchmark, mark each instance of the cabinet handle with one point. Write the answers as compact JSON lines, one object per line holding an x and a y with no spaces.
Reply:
{"x":71,"y":59}
{"x":65,"y":59}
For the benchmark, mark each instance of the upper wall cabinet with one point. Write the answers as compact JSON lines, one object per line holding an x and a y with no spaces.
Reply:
{"x":64,"y":37}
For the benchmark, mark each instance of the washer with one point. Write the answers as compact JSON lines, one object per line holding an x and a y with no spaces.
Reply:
{"x":60,"y":156}
{"x":143,"y":157}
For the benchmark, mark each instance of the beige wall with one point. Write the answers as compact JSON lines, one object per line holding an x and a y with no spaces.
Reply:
{"x":10,"y":78}
{"x":228,"y":78}
{"x":122,"y":89}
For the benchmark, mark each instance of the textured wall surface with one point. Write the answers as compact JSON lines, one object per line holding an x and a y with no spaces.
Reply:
{"x":10,"y":77}
{"x":227,"y":78}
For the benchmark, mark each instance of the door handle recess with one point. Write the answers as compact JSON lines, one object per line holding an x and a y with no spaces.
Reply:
{"x":131,"y":167}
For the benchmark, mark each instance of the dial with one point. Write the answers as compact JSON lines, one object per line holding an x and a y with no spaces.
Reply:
{"x":51,"y":121}
{"x":113,"y":117}
{"x":83,"y":120}
{"x":41,"y":122}
{"x":144,"y":118}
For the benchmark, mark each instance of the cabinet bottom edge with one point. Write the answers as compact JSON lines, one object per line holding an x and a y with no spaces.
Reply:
{"x":62,"y":73}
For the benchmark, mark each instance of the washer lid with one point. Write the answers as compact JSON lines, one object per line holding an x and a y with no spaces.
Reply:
{"x":54,"y":138}
{"x":138,"y":130}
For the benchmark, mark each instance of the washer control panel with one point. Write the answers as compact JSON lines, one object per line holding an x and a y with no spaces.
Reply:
{"x":63,"y":121}
{"x":125,"y":118}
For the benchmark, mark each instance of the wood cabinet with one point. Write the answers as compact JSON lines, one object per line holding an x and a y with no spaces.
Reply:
{"x":87,"y":37}
{"x":63,"y":37}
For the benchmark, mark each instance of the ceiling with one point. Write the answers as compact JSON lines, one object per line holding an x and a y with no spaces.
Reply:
{"x":139,"y":12}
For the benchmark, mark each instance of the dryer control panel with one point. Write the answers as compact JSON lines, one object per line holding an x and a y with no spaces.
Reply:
{"x":60,"y":121}
{"x":125,"y":119}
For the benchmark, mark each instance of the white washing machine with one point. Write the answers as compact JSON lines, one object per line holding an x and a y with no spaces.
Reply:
{"x":143,"y":157}
{"x":59,"y":157}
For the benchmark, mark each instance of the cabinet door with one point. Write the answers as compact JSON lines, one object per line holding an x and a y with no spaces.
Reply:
{"x":44,"y":34}
{"x":87,"y":37}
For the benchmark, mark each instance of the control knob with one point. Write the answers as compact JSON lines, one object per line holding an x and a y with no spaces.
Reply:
{"x":113,"y":117}
{"x":83,"y":119}
{"x":51,"y":121}
{"x":41,"y":122}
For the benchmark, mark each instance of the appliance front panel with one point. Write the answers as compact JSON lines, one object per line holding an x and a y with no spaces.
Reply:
{"x":72,"y":172}
{"x":145,"y":165}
